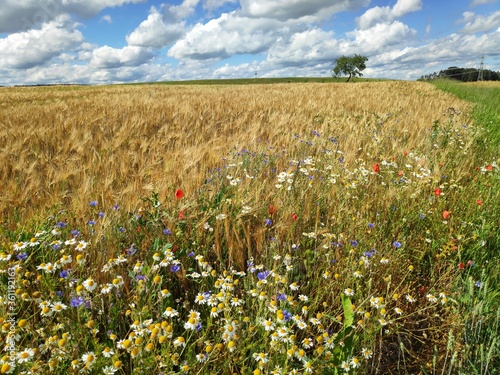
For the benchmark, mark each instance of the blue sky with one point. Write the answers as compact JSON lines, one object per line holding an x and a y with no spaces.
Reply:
{"x":114,"y":41}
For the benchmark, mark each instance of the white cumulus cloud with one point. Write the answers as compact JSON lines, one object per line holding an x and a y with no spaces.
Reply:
{"x":387,"y":14}
{"x":227,"y":35}
{"x":154,"y":32}
{"x":18,"y":15}
{"x":478,"y":24}
{"x":26,"y":49}
{"x":108,"y":58}
{"x":296,"y":9}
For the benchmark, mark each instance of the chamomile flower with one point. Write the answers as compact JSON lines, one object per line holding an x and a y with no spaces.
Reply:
{"x":18,"y":246}
{"x":81,"y":245}
{"x":261,"y":357}
{"x":170,"y":312}
{"x":179,"y":341}
{"x":431,"y":298}
{"x":108,"y":352}
{"x":58,"y":307}
{"x":349,"y":292}
{"x":366,"y":353}
{"x":89,"y":358}
{"x":25,"y":355}
{"x":307,"y":343}
{"x":410,"y":298}
{"x":89,"y":284}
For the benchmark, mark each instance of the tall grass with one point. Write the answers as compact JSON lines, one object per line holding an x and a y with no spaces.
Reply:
{"x":479,"y":304}
{"x":295,"y":228}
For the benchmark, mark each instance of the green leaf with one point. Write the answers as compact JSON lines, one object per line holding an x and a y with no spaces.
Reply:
{"x":348,"y":313}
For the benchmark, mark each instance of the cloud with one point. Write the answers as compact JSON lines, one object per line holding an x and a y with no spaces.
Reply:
{"x":296,"y":9}
{"x":106,"y":18}
{"x":30,"y":48}
{"x":109,"y":58}
{"x":312,"y":46}
{"x":214,"y":4}
{"x":176,"y":13}
{"x":225,"y":36}
{"x":21,"y":15}
{"x":479,"y":24}
{"x":154,"y":32}
{"x":481,"y":2}
{"x":377,"y":14}
{"x":380,"y":37}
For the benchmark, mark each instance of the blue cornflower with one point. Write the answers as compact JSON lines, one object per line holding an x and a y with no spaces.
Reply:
{"x":371,"y":225}
{"x":75,"y":233}
{"x":478,"y":284}
{"x":140,"y":277}
{"x":116,"y":207}
{"x":131,"y":250}
{"x":354,"y":243}
{"x":207,"y":294}
{"x":22,"y":256}
{"x":281,"y":297}
{"x":91,"y":222}
{"x":63,"y":274}
{"x":263,"y":275}
{"x":175,"y":268}
{"x":421,"y":216}
{"x":59,"y":293}
{"x":101,"y":214}
{"x":287,"y":314}
{"x":93,"y":203}
{"x":77,"y":302}
{"x":167,"y":231}
{"x":56,"y":246}
{"x":191,"y":254}
{"x":61,"y":224}
{"x":369,"y":254}
{"x":269,"y":222}
{"x":121,"y":229}
{"x":396,"y":244}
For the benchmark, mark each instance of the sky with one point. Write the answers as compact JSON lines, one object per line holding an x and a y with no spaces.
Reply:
{"x":116,"y":41}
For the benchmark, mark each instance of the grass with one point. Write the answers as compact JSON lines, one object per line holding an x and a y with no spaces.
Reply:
{"x":288,"y":228}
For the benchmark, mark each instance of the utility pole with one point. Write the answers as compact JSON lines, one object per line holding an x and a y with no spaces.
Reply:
{"x":481,"y":67}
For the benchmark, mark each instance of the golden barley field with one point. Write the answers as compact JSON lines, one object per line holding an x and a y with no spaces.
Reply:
{"x":63,"y":146}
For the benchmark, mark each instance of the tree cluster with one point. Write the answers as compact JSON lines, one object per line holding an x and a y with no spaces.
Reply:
{"x":463,"y":74}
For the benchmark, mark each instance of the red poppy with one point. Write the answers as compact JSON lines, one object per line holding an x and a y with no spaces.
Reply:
{"x":138,"y":229}
{"x":181,"y":214}
{"x":479,"y":202}
{"x":272,"y":210}
{"x":400,"y":173}
{"x":461,"y":266}
{"x":405,"y":153}
{"x":179,"y":193}
{"x":489,"y":167}
{"x":438,"y":192}
{"x":446,"y":214}
{"x":294,"y":217}
{"x":376,"y":168}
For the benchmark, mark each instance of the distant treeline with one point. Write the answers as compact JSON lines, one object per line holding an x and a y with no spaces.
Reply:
{"x":463,"y":74}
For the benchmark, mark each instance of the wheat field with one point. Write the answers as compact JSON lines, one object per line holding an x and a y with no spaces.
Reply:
{"x":300,"y":228}
{"x":62,"y":146}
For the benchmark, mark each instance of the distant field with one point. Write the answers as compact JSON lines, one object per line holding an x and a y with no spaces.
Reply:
{"x":284,"y":228}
